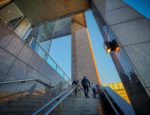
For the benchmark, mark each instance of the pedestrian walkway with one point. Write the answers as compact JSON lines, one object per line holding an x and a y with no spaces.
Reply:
{"x":82,"y":106}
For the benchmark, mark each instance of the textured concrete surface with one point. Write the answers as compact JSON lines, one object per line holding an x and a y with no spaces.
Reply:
{"x":18,"y":61}
{"x":112,"y":11}
{"x":6,"y":60}
{"x":140,"y":56}
{"x":26,"y":54}
{"x":113,"y":5}
{"x":114,"y":17}
{"x":40,"y":11}
{"x":132,"y":32}
{"x":83,"y":61}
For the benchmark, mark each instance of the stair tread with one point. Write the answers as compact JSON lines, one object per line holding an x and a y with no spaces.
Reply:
{"x":19,"y":108}
{"x":27,"y":105}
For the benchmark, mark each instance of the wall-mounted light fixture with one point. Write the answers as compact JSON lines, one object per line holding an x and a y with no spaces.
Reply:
{"x":111,"y":46}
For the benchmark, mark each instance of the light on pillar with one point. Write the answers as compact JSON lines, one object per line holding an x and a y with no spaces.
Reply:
{"x":111,"y":46}
{"x":107,"y":47}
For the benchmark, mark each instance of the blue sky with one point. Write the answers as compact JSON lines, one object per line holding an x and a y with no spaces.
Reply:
{"x":142,"y":6}
{"x":61,"y":52}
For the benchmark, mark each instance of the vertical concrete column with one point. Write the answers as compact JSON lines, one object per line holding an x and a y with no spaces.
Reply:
{"x":83,"y":61}
{"x":131,"y":30}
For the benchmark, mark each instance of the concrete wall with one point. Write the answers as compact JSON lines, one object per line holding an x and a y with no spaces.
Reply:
{"x":132,"y":31}
{"x":18,"y":61}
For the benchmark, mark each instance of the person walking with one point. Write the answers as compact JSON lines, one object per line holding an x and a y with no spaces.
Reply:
{"x":94,"y":89}
{"x":75,"y":82}
{"x":85,"y":84}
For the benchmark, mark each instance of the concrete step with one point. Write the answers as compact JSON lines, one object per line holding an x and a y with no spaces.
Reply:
{"x":82,"y":106}
{"x":82,"y":98}
{"x":78,"y":106}
{"x":73,"y":113}
{"x":20,"y":109}
{"x":36,"y":97}
{"x":16,"y":113}
{"x":26,"y":103}
{"x":34,"y":100}
{"x":70,"y":106}
{"x":82,"y":101}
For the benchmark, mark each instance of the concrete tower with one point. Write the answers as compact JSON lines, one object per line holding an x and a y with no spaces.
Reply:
{"x":83,"y":61}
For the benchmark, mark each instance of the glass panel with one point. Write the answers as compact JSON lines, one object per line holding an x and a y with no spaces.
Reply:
{"x":33,"y":44}
{"x":45,"y":45}
{"x":41,"y":52}
{"x":66,"y":78}
{"x":60,"y":71}
{"x":51,"y":63}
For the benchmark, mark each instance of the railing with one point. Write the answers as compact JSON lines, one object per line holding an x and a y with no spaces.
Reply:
{"x":11,"y":90}
{"x":52,"y":104}
{"x":103,"y":92}
{"x":44,"y":55}
{"x":122,"y":106}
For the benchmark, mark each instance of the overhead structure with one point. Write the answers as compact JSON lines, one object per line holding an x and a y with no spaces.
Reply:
{"x":51,"y":30}
{"x":39,"y":11}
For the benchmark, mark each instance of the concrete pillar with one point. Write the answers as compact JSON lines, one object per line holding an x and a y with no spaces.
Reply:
{"x":131,"y":30}
{"x":83,"y":61}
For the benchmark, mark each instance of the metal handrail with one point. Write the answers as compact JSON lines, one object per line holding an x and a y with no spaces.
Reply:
{"x":59,"y":101}
{"x":26,"y":80}
{"x":57,"y":66}
{"x":109,"y":100}
{"x":59,"y":98}
{"x":37,"y":80}
{"x":61,"y":84}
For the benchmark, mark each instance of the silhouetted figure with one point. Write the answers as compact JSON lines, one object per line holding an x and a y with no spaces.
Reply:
{"x":85,"y":84}
{"x":75,"y":82}
{"x":94,"y":89}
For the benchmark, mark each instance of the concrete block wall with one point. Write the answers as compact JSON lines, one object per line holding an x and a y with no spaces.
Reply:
{"x":18,"y":61}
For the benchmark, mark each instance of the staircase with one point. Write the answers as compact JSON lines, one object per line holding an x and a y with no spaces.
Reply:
{"x":83,"y":106}
{"x":23,"y":97}
{"x":23,"y":105}
{"x":70,"y":106}
{"x":78,"y":106}
{"x":55,"y":101}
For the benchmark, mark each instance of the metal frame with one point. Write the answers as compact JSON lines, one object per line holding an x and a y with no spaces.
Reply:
{"x":109,"y":100}
{"x":59,"y":98}
{"x":57,"y":66}
{"x":37,"y":80}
